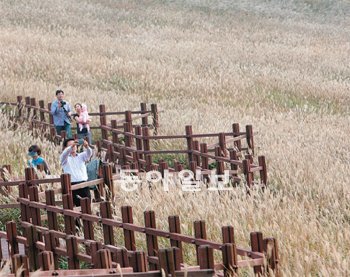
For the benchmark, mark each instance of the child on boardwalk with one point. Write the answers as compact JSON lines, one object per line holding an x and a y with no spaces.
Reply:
{"x":35,"y":153}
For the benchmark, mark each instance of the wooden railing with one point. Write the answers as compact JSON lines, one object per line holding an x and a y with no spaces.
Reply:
{"x":46,"y":243}
{"x":130,"y":144}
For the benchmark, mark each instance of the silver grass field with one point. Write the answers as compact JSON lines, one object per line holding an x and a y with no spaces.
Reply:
{"x":282,"y":66}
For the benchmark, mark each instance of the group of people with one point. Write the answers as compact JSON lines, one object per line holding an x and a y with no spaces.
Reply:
{"x":72,"y":161}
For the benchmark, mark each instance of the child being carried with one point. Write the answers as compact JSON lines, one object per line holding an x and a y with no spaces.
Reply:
{"x":84,"y":118}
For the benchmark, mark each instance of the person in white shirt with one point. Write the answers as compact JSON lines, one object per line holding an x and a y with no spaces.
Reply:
{"x":73,"y":163}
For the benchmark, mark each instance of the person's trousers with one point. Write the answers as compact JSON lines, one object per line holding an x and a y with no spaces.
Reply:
{"x":85,"y":135}
{"x":66,"y":128}
{"x":80,"y":193}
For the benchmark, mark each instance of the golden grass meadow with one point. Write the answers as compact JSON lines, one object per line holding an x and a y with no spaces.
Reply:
{"x":282,"y":66}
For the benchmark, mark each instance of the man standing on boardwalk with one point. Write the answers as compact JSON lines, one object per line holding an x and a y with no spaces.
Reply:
{"x":61,"y":112}
{"x":73,"y":163}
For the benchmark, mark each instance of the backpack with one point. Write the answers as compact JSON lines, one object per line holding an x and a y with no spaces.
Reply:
{"x":92,"y":168}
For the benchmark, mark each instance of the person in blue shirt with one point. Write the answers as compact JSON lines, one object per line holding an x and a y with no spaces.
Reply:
{"x":35,"y":153}
{"x":61,"y":112}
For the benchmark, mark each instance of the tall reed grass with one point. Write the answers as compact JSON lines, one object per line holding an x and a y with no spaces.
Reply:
{"x":281,"y":66}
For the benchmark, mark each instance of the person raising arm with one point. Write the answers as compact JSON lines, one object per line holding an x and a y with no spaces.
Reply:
{"x":73,"y":163}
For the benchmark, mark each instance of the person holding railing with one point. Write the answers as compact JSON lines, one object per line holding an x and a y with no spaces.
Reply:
{"x":73,"y":163}
{"x":61,"y":112}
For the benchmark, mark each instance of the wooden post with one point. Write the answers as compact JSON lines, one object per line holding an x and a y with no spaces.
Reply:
{"x":146,"y":147}
{"x":88,"y":228}
{"x":72,"y":251}
{"x":51,"y":216}
{"x":163,"y":166}
{"x":66,"y":185}
{"x":110,"y":153}
{"x":69,"y":221}
{"x":23,"y":193}
{"x":52,"y":127}
{"x":220,"y":168}
{"x":35,"y":114}
{"x":108,"y":180}
{"x":206,"y":257}
{"x":228,"y":234}
{"x":127,"y":137}
{"x":249,"y":157}
{"x":122,"y":257}
{"x":138,"y":141}
{"x":129,"y":236}
{"x":193,"y":168}
{"x":199,"y":233}
{"x":154,"y":110}
{"x":33,"y":104}
{"x":138,"y":261}
{"x":32,"y":251}
{"x":42,"y":114}
{"x":46,"y":260}
{"x":271,"y":250}
{"x":94,"y":247}
{"x":229,"y":257}
{"x":167,"y":261}
{"x":115,"y":138}
{"x":189,"y":139}
{"x":222,"y":144}
{"x":144,"y":111}
{"x":205,"y":160}
{"x":204,"y":150}
{"x":103,"y":122}
{"x":257,"y":245}
{"x":29,"y":175}
{"x":122,"y":156}
{"x":178,"y":166}
{"x":35,"y":212}
{"x":175,"y":227}
{"x":250,"y":137}
{"x":51,"y":242}
{"x":11,"y":234}
{"x":263,"y":170}
{"x":152,"y":241}
{"x":27,"y":101}
{"x":19,"y":106}
{"x":63,"y":135}
{"x":247,"y":172}
{"x":235,"y":130}
{"x":20,"y":264}
{"x":104,"y":259}
{"x":233,"y":157}
{"x":196,"y":157}
{"x":106,"y":212}
{"x":128,"y":117}
{"x":135,"y":161}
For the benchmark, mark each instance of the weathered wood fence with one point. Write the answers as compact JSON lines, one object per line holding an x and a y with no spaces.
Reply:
{"x":45,"y":241}
{"x":130,"y":142}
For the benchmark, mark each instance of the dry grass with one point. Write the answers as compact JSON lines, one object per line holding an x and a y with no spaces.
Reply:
{"x":282,"y":66}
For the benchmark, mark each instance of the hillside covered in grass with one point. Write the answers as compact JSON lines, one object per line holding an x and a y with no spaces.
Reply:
{"x":282,"y":66}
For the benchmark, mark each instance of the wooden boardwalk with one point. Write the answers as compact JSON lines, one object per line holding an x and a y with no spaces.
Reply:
{"x":5,"y":249}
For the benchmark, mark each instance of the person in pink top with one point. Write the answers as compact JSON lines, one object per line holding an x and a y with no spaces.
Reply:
{"x":83,"y":122}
